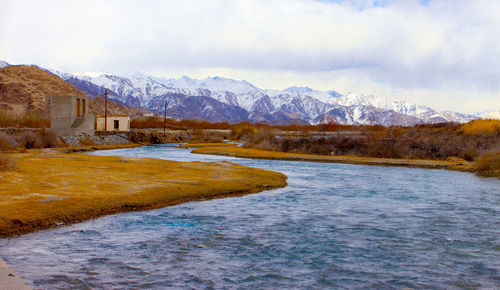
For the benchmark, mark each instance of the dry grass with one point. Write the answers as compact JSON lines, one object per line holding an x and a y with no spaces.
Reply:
{"x":51,"y":188}
{"x":488,"y":164}
{"x":6,"y":163}
{"x":29,"y":87}
{"x":454,"y":164}
{"x":481,"y":126}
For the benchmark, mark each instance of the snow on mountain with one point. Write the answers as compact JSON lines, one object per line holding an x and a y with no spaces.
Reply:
{"x":4,"y":63}
{"x":219,"y":99}
{"x":424,"y":113}
{"x":489,"y":115}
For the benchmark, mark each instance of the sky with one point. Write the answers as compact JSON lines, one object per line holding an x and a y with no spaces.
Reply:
{"x":440,"y":53}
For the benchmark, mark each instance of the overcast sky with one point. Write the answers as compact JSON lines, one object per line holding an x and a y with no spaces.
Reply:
{"x":441,"y":53}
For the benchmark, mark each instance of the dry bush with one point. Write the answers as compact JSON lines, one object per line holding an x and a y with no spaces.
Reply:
{"x":49,"y":138}
{"x":144,"y":123}
{"x":488,"y":163}
{"x":264,"y":138}
{"x":6,"y":142}
{"x":157,"y":122}
{"x":242,"y":129}
{"x":29,"y":140}
{"x":87,"y":141}
{"x":6,"y":163}
{"x":203,"y":136}
{"x":481,"y":126}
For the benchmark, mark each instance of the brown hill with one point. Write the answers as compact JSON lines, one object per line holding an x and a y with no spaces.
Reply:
{"x":27,"y":88}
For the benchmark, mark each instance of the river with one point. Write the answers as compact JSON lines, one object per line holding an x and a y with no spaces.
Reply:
{"x":333,"y":226}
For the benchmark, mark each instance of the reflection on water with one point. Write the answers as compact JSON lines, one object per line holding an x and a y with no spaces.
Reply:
{"x":335,"y":225}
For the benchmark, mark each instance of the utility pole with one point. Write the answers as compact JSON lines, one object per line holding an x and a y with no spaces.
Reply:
{"x":165,"y":117}
{"x":105,"y":110}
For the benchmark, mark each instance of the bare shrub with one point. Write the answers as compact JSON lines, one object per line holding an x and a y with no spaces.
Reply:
{"x":243,"y":129}
{"x":29,"y":140}
{"x":6,"y":142}
{"x":263,"y":137}
{"x":49,"y":138}
{"x":488,"y":163}
{"x":204,"y":136}
{"x":87,"y":141}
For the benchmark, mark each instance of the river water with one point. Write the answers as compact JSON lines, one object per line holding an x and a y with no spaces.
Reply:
{"x":333,"y":226}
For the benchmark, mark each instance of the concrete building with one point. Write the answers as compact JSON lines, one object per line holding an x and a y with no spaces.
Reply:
{"x":116,"y":123}
{"x":69,"y":115}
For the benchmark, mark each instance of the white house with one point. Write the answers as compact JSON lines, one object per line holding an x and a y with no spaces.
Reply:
{"x":116,"y":123}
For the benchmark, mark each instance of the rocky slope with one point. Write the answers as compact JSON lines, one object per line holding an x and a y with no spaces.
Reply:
{"x":25,"y":88}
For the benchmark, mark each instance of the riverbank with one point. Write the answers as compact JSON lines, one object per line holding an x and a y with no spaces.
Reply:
{"x":49,"y":188}
{"x":451,"y":164}
{"x":9,"y":279}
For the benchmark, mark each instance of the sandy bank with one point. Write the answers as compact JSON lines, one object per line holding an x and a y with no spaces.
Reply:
{"x":454,"y":164}
{"x":48,"y":188}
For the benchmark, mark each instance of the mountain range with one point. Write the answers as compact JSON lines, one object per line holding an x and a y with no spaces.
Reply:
{"x":219,"y":99}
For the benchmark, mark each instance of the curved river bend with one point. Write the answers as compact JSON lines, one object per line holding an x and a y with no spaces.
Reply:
{"x":334,"y":226}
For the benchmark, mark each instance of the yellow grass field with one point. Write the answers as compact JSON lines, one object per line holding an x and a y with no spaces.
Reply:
{"x":50,"y":188}
{"x":452,"y":163}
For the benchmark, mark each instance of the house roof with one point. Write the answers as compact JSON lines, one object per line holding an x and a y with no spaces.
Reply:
{"x":113,"y":116}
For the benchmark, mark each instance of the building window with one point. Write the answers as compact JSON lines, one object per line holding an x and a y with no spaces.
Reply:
{"x":78,"y":107}
{"x":83,"y":107}
{"x":117,"y":124}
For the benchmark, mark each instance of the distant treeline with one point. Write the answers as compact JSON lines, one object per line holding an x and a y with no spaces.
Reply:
{"x":158,"y":122}
{"x":426,"y":141}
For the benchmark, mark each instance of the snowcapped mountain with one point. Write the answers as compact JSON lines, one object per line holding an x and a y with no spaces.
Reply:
{"x":489,"y":115}
{"x":4,"y":63}
{"x":222,"y":99}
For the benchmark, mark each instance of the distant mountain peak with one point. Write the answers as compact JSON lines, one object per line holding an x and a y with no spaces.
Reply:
{"x":298,"y":90}
{"x":90,"y":74}
{"x":218,"y":98}
{"x":4,"y":63}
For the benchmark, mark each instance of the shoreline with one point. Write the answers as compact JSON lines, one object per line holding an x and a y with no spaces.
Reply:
{"x":240,"y":152}
{"x":9,"y":279}
{"x":48,"y":188}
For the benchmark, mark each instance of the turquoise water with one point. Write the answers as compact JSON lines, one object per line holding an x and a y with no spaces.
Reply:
{"x":334,"y":226}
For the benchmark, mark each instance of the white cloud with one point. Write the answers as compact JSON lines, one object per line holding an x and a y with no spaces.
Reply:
{"x":444,"y":53}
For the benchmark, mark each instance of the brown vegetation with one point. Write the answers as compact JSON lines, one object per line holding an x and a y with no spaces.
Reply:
{"x":28,"y":139}
{"x":158,"y":122}
{"x":436,"y":141}
{"x":206,"y":136}
{"x":488,"y":164}
{"x":48,"y":189}
{"x":452,"y":163}
{"x":157,"y":137}
{"x":29,"y":88}
{"x":6,"y":163}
